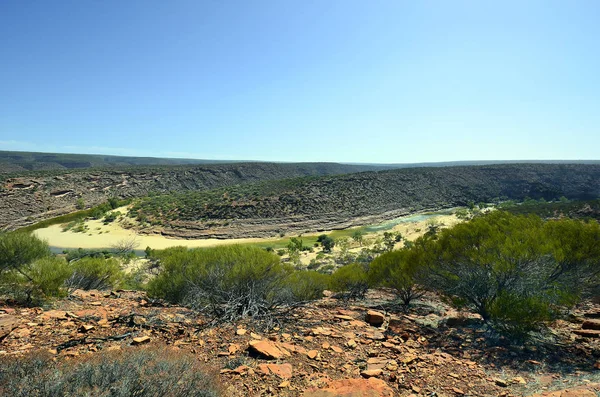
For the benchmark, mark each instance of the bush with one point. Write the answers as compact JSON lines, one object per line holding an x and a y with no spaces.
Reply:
{"x":398,"y":270}
{"x":351,"y":281}
{"x":19,"y":249}
{"x":515,"y":271}
{"x":327,"y":242}
{"x":307,"y":285}
{"x":147,"y":372}
{"x":27,"y":271}
{"x":111,"y":217}
{"x":37,"y":281}
{"x":80,"y":204}
{"x":228,"y":282}
{"x":95,"y":273}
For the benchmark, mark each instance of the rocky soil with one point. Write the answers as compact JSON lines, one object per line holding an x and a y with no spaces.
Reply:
{"x":326,"y":348}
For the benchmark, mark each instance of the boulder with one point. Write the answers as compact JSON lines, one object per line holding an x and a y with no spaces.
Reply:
{"x":375,"y":318}
{"x":265,"y":349}
{"x":7,"y":324}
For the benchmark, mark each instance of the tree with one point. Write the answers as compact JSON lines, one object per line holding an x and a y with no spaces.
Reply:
{"x":357,"y":236}
{"x":513,"y":270}
{"x":389,"y":240}
{"x":28,"y":273}
{"x":328,"y":243}
{"x":19,"y":249}
{"x":80,"y":204}
{"x":400,"y":271}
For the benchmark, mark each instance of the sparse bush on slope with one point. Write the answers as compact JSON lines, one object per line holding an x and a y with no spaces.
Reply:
{"x":149,"y":372}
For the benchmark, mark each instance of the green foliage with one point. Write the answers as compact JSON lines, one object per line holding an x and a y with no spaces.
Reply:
{"x":18,"y":249}
{"x":80,"y":204}
{"x":306,"y":285}
{"x":111,"y":217}
{"x":146,"y":372}
{"x":294,"y":245}
{"x":498,"y":260}
{"x":228,"y":282}
{"x":95,"y":273}
{"x":326,"y":242}
{"x":358,"y":236}
{"x":37,"y":281}
{"x":400,"y":271}
{"x":351,"y":281}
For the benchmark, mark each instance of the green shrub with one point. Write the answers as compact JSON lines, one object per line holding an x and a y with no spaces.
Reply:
{"x":95,"y":273}
{"x":398,"y":270}
{"x":149,"y":372}
{"x":18,"y":249}
{"x":28,"y":273}
{"x":228,"y":282}
{"x":37,"y":281}
{"x":351,"y":281}
{"x":111,"y":216}
{"x":80,"y":204}
{"x":306,"y":285}
{"x":513,"y":270}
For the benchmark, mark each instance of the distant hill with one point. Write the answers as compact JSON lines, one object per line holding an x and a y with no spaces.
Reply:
{"x":333,"y":202}
{"x":19,"y":162}
{"x":22,"y":163}
{"x":31,"y":196}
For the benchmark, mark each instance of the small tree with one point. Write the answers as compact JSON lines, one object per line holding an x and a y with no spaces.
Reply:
{"x":398,"y":270}
{"x":326,"y":242}
{"x":80,"y":204}
{"x":357,"y":236}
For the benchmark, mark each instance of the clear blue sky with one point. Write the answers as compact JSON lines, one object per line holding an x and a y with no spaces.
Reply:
{"x":307,"y":80}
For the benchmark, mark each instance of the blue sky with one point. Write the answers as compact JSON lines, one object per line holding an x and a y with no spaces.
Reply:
{"x":309,"y":80}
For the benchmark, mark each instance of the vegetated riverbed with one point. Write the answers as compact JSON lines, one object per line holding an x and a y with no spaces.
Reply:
{"x":99,"y":236}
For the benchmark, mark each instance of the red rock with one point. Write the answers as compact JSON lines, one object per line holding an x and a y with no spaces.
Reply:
{"x":54,"y":315}
{"x":141,"y":339}
{"x":284,"y":371}
{"x":369,"y":373}
{"x":581,"y":391}
{"x":86,"y":328}
{"x":312,"y":354}
{"x":266,"y":349}
{"x":7,"y":324}
{"x":375,"y":318}
{"x":371,"y":387}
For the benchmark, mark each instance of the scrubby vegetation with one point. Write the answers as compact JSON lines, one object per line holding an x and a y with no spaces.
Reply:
{"x":149,"y":372}
{"x":232,"y":282}
{"x":517,"y":272}
{"x":30,"y":274}
{"x":74,"y":220}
